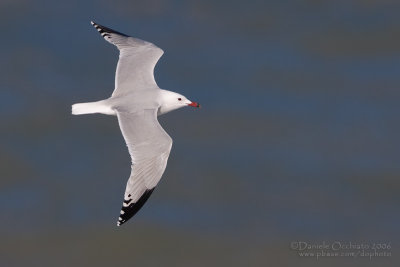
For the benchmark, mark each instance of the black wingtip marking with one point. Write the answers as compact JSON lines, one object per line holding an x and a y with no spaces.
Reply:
{"x":130,"y":210}
{"x":127,"y":201}
{"x":104,"y":31}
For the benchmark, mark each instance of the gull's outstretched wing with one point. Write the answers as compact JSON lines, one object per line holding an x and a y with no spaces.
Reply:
{"x":149,"y":146}
{"x":137,"y":59}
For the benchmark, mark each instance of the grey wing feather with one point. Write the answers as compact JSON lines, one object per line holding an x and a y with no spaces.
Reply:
{"x":149,"y":146}
{"x":137,"y":59}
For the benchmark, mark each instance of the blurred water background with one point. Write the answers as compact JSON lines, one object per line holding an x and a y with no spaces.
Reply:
{"x":297,"y":140}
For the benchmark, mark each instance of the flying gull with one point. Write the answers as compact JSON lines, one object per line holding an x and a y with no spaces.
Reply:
{"x":137,"y":101}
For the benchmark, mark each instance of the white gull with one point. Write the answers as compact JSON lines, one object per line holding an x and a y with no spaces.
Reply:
{"x":137,"y":101}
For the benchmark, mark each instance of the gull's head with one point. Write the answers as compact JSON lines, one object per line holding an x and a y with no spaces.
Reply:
{"x":171,"y":101}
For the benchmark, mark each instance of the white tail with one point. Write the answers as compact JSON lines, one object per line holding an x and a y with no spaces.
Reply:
{"x":92,"y":107}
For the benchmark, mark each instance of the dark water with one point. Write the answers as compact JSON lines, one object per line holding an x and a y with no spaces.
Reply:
{"x":297,"y":140}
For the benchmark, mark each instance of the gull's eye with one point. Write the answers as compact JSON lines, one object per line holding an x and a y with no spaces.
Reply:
{"x":179,"y":99}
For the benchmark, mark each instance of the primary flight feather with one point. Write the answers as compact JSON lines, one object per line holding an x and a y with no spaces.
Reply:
{"x":137,"y":101}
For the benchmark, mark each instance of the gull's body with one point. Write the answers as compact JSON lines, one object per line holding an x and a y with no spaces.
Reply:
{"x":137,"y":101}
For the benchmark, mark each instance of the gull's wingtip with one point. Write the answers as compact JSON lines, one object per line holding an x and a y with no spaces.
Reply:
{"x":129,"y":209}
{"x":94,"y":24}
{"x":105,"y":31}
